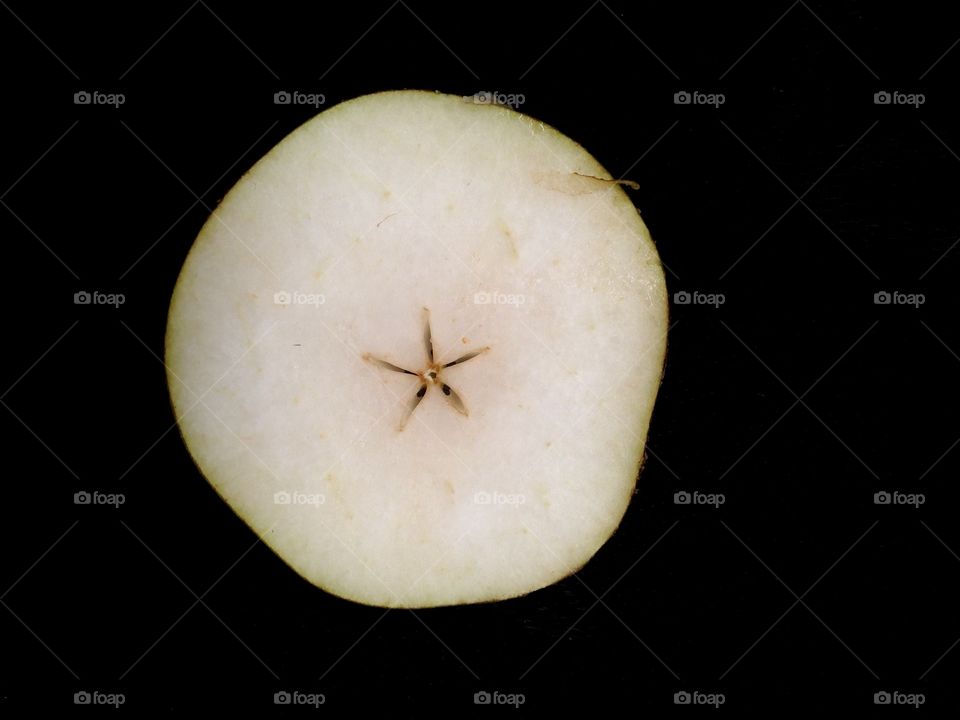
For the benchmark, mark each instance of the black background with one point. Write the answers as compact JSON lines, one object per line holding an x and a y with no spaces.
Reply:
{"x":798,"y":398}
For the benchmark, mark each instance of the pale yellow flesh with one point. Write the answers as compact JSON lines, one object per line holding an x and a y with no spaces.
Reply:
{"x":372,"y":211}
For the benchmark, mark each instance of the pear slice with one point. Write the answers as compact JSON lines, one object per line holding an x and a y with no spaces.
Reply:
{"x":416,"y":348}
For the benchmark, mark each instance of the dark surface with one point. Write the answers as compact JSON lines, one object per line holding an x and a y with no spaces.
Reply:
{"x":797,"y":399}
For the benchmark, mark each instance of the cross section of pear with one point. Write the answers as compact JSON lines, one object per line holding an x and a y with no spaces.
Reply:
{"x":385,"y":239}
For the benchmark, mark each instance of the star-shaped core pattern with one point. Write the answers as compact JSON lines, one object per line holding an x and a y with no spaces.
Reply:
{"x":430,"y":376}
